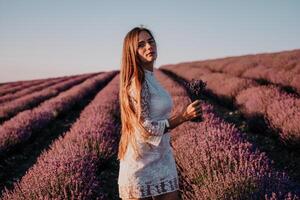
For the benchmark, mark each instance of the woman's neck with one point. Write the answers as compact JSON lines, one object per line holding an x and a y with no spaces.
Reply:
{"x":148,"y":66}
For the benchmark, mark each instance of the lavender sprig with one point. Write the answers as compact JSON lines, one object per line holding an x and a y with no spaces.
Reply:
{"x":195,"y":88}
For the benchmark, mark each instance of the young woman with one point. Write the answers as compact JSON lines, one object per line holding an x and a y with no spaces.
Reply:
{"x":147,"y":165}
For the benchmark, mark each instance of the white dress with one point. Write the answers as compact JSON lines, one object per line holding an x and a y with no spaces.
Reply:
{"x":155,"y":173}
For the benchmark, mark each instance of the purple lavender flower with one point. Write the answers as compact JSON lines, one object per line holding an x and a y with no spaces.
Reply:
{"x":195,"y":88}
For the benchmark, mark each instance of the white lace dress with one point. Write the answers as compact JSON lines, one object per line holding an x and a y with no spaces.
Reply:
{"x":155,"y":173}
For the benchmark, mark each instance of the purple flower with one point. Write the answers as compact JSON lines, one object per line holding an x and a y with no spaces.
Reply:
{"x":195,"y":87}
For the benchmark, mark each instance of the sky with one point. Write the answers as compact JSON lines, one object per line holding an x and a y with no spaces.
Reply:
{"x":52,"y":38}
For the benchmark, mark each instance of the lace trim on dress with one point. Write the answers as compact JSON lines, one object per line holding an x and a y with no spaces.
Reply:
{"x":155,"y":127}
{"x":148,"y":190}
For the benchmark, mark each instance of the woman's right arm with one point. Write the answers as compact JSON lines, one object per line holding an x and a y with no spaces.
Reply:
{"x":193,"y":110}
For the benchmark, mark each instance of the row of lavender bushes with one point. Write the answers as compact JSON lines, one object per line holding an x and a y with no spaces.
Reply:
{"x":29,"y":89}
{"x":274,"y":108}
{"x":280,"y":111}
{"x":280,"y":68}
{"x":9,"y":109}
{"x":16,"y":86}
{"x":217,"y":162}
{"x":3,"y":85}
{"x":20,"y":128}
{"x":70,"y":168}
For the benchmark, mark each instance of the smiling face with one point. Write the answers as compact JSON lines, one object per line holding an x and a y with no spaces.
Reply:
{"x":147,"y":51}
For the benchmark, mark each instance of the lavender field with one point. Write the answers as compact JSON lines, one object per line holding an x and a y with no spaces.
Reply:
{"x":59,"y":136}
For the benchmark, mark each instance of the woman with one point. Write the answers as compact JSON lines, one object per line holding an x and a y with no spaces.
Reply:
{"x":147,"y":166}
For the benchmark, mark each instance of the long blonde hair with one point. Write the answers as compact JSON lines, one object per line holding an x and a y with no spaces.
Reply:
{"x":131,"y":72}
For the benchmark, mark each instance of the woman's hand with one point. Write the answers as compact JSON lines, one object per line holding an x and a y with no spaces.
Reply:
{"x":192,"y":111}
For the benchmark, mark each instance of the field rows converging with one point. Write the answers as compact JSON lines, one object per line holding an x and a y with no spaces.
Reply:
{"x":245,"y":147}
{"x":18,"y":158}
{"x":21,"y":127}
{"x":282,"y":69}
{"x":217,"y":162}
{"x":17,"y":86}
{"x":30,"y":89}
{"x":268,"y":115}
{"x":10,"y":109}
{"x":261,"y":105}
{"x":71,"y":168}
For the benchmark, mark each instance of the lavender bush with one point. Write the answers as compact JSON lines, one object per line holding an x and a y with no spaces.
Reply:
{"x":280,"y":110}
{"x":262,"y":105}
{"x":216,"y":161}
{"x":9,"y":109}
{"x":295,"y":83}
{"x":70,"y":168}
{"x":30,"y":89}
{"x":17,"y":86}
{"x":222,"y":86}
{"x":278,"y":68}
{"x":20,"y":128}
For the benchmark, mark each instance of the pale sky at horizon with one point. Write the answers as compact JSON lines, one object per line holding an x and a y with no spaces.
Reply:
{"x":41,"y":39}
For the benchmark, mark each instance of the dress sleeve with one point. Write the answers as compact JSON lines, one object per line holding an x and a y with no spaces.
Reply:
{"x":155,"y":127}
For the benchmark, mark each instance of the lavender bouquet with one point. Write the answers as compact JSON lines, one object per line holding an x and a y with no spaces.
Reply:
{"x":195,"y":88}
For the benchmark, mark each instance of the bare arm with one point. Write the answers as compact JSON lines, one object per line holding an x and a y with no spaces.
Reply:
{"x":192,"y":111}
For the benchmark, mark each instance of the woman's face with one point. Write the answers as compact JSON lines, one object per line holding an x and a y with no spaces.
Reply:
{"x":146,"y":47}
